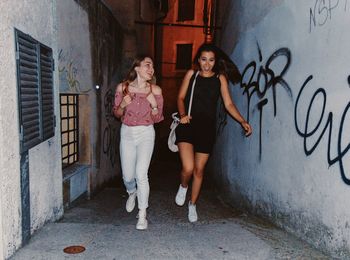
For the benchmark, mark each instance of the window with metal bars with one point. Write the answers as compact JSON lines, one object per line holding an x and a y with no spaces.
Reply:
{"x":186,"y":10}
{"x":35,"y":67}
{"x":69,"y":104}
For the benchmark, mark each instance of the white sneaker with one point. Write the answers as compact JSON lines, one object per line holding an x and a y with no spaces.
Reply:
{"x":192,"y":212}
{"x":142,"y":222}
{"x":181,"y":196}
{"x":130,"y":203}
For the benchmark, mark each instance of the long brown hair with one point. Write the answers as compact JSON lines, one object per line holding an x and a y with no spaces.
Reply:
{"x":131,"y":75}
{"x":223,"y":64}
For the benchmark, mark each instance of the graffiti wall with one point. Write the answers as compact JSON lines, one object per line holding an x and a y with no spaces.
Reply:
{"x":295,"y":91}
{"x":89,"y":62}
{"x":74,"y":60}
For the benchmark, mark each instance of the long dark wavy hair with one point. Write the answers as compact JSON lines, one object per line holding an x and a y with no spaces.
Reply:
{"x":131,"y":75}
{"x":223,"y":64}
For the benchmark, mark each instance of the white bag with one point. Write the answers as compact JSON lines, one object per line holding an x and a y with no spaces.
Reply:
{"x":176,"y":121}
{"x":172,"y":137}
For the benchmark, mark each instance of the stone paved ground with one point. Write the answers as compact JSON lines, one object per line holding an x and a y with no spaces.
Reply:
{"x":107,"y":231}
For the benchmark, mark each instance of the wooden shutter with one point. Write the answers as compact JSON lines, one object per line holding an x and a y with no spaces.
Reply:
{"x":28,"y":88}
{"x":35,"y":90}
{"x":47,"y":101}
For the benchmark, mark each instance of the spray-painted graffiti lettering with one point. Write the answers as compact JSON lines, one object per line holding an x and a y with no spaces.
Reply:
{"x":318,"y":132}
{"x":322,"y":10}
{"x":222,"y":118}
{"x":110,"y":132}
{"x":268,"y":76}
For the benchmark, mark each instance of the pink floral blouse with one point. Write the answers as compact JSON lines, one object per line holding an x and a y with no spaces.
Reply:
{"x":139,"y":111}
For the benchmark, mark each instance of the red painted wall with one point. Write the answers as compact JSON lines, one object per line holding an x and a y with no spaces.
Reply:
{"x":172,"y":35}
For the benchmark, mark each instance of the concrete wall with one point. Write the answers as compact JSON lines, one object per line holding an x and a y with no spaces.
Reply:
{"x":91,"y":47}
{"x":75,"y":73}
{"x":295,"y":169}
{"x":74,"y":48}
{"x":37,"y":19}
{"x":107,"y":49}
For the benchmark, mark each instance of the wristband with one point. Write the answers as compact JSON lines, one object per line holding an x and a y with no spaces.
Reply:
{"x":154,"y":108}
{"x":182,"y":115}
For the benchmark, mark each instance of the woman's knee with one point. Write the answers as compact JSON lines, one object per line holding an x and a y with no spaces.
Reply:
{"x":187,"y":170}
{"x":128,"y":178}
{"x":130,"y":184}
{"x":142,"y":179}
{"x":198,"y":173}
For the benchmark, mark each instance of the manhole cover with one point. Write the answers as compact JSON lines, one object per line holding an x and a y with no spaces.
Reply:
{"x":74,"y":249}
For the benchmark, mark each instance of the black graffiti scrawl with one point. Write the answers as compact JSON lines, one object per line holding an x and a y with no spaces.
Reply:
{"x":319,"y":132}
{"x":109,"y":140}
{"x":323,"y":10}
{"x":259,"y":79}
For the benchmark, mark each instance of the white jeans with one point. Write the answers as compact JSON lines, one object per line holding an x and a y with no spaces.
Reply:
{"x":136,"y":148}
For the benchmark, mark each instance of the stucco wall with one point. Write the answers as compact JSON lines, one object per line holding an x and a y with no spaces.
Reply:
{"x":295,"y":168}
{"x":74,"y":48}
{"x":91,"y":47}
{"x":107,"y":47}
{"x":38,"y":20}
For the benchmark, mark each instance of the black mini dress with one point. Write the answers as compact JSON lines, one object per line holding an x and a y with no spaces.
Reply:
{"x":201,"y":131}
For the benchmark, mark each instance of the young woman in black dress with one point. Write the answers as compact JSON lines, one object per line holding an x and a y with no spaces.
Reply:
{"x":195,"y":135}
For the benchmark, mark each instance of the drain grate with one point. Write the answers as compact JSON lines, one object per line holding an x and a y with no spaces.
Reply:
{"x":74,"y":249}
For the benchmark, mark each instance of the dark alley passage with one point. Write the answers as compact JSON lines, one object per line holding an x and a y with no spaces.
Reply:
{"x":85,"y":82}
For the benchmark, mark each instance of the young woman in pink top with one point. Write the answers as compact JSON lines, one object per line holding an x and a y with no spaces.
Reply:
{"x":139,"y":104}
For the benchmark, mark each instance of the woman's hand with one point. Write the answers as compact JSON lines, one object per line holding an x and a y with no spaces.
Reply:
{"x":185,"y":119}
{"x":126,"y":101}
{"x":152,"y":100}
{"x":247,"y":128}
{"x":153,"y":103}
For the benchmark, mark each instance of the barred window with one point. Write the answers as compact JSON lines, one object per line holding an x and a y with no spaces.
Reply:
{"x":35,"y":67}
{"x":69,"y":104}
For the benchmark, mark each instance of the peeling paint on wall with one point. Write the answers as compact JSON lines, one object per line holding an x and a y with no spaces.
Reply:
{"x":68,"y":70}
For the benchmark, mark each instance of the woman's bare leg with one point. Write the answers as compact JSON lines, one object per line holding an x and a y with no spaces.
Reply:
{"x":200,"y":160}
{"x":187,"y":159}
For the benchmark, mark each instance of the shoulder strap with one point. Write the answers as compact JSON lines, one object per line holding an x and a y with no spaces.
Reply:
{"x":193,"y":84}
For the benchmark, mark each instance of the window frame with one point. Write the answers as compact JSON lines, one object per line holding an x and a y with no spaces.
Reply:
{"x":184,"y":14}
{"x":74,"y":129}
{"x":179,"y":55}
